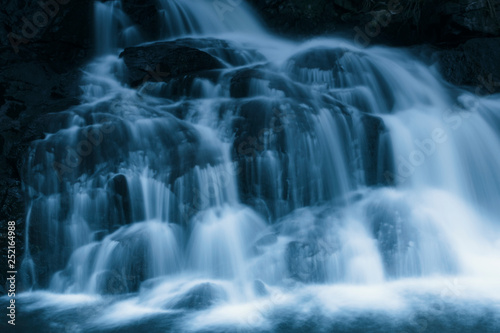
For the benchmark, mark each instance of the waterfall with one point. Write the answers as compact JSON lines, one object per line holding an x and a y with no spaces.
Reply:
{"x":286,"y":186}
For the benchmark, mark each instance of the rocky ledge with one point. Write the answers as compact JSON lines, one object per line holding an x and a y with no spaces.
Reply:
{"x":40,"y":67}
{"x":396,"y":22}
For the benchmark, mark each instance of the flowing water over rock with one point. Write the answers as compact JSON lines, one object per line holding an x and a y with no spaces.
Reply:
{"x":225,"y":180}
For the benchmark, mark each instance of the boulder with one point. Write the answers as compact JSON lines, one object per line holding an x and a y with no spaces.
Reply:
{"x":164,"y":60}
{"x":145,"y":15}
{"x":260,"y":288}
{"x":111,"y":282}
{"x":305,"y":261}
{"x":376,"y":149}
{"x":227,"y":51}
{"x":201,"y":297}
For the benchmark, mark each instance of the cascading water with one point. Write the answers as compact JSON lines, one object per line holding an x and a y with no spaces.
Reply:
{"x":313,"y":187}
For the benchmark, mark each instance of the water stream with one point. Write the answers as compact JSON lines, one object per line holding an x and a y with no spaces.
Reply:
{"x":300,"y":187}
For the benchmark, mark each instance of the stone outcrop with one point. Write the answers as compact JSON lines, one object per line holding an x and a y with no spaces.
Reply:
{"x":393,"y":21}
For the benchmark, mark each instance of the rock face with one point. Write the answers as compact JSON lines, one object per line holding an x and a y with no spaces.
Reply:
{"x":145,"y":15}
{"x":39,"y":73}
{"x":394,"y":21}
{"x":242,"y":83}
{"x":302,"y":261}
{"x":42,"y":25}
{"x":167,"y":59}
{"x":182,"y":58}
{"x":201,"y":297}
{"x":299,"y":17}
{"x":377,"y":152}
{"x":473,"y":64}
{"x":474,"y":16}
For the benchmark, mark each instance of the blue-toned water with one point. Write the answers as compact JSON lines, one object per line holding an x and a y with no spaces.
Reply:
{"x":298,"y":187}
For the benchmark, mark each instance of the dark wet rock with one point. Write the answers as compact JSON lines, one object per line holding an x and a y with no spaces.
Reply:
{"x":472,"y":64}
{"x":395,"y":237}
{"x":31,"y":86}
{"x":39,"y":73}
{"x":182,"y":63}
{"x":260,"y":288}
{"x":145,"y":15}
{"x":304,"y":261}
{"x":45,"y":24}
{"x":111,"y":283}
{"x":399,"y":243}
{"x":320,"y":58}
{"x":240,"y":82}
{"x":261,"y":207}
{"x":99,"y":235}
{"x":226,"y":51}
{"x":313,"y":255}
{"x":178,"y":139}
{"x":254,"y":82}
{"x":395,"y":22}
{"x":163,"y":60}
{"x":300,"y":260}
{"x":329,"y":68}
{"x":331,"y":61}
{"x":260,"y":246}
{"x":128,"y":265}
{"x":201,"y":297}
{"x":398,"y":240}
{"x":122,"y":198}
{"x":263,"y":132}
{"x":267,"y":240}
{"x":48,"y":250}
{"x":182,"y":87}
{"x":120,"y":186}
{"x":258,"y":121}
{"x":298,"y":18}
{"x":376,"y":150}
{"x":472,"y":17}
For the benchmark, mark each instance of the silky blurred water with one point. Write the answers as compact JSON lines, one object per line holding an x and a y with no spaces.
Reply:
{"x":338,"y":189}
